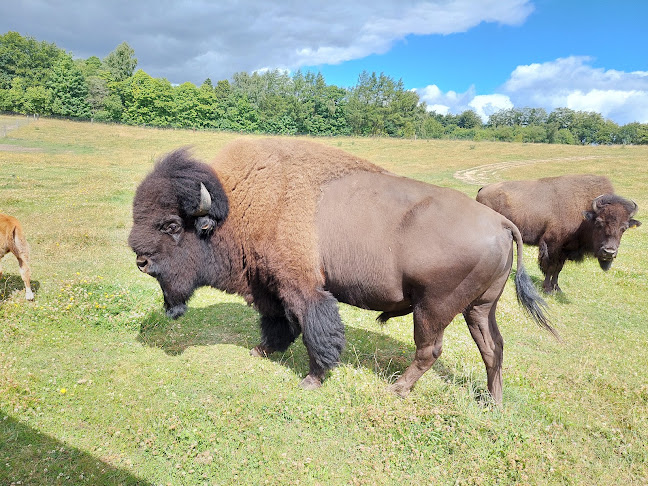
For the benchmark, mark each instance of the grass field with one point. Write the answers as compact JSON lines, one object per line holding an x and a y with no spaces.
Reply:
{"x":98,"y":387}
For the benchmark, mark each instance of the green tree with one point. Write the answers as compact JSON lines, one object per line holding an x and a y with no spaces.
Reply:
{"x":634,"y":133}
{"x":586,"y":125}
{"x":69,"y":90}
{"x":37,"y":101}
{"x":564,"y":136}
{"x":562,"y":118}
{"x":431,"y":127}
{"x":469,"y":119}
{"x":186,"y":106}
{"x":97,"y":93}
{"x":147,"y":100}
{"x":121,"y":62}
{"x":26,"y":58}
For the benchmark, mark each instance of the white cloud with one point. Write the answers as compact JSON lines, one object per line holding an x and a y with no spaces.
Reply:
{"x":564,"y":83}
{"x":486,"y":105}
{"x":574,"y":83}
{"x":444,"y":103}
{"x":453,"y":102}
{"x":195,"y":39}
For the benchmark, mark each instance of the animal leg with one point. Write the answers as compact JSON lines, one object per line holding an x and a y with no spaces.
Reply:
{"x":323,"y":335}
{"x":428,"y":337}
{"x":25,"y":274}
{"x":554,"y":277}
{"x":549,"y":265}
{"x":2,"y":254}
{"x":483,"y":329}
{"x":277,"y":333}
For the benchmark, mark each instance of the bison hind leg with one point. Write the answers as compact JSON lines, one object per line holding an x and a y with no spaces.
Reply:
{"x":484,"y":331}
{"x":323,"y":335}
{"x":429,"y":325}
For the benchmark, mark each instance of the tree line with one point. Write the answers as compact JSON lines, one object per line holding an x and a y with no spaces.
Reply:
{"x":38,"y":78}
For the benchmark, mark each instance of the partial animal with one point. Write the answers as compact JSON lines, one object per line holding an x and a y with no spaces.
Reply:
{"x":296,"y":227}
{"x":13,"y":240}
{"x":567,"y":217}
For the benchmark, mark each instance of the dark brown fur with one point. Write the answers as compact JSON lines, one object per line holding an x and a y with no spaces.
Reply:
{"x":556,"y":214}
{"x":299,"y":226}
{"x":13,"y":240}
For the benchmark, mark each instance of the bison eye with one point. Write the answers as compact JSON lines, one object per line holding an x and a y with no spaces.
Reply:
{"x":171,"y":228}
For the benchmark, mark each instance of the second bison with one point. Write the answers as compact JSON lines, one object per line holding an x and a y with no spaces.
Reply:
{"x":567,"y":217}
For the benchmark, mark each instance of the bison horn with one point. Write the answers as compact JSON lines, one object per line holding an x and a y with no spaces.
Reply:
{"x":634,"y":211}
{"x":595,"y":201}
{"x":205,"y":201}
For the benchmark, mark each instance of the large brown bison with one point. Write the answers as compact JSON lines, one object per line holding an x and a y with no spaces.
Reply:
{"x":295,"y":227}
{"x":567,"y":217}
{"x":12,"y":239}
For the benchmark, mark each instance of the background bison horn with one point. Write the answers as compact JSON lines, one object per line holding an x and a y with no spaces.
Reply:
{"x":205,"y":201}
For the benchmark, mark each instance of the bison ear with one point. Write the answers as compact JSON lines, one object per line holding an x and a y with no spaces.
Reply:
{"x":634,"y":223}
{"x":202,"y":198}
{"x":219,"y":207}
{"x":589,"y":215}
{"x":211,"y":208}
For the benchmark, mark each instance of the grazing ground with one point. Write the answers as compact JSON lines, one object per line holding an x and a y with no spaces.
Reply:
{"x":97,"y":387}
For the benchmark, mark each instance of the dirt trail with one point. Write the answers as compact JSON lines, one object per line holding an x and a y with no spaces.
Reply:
{"x":485,"y":174}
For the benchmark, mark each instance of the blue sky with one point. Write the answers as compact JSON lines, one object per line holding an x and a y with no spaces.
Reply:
{"x":457,"y":54}
{"x":614,"y":34}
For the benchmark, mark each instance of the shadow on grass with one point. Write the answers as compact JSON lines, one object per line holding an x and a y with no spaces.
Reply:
{"x":30,"y":457}
{"x":11,"y":283}
{"x":237,"y":324}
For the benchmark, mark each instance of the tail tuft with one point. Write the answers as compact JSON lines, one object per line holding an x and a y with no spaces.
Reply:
{"x":533,"y":303}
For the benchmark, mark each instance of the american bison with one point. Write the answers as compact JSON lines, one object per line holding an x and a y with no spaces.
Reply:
{"x":567,"y":217}
{"x":13,"y":240}
{"x":294,"y":227}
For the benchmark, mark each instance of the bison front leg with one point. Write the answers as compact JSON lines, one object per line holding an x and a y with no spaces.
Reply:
{"x":323,"y":335}
{"x":551,"y":264}
{"x":277,"y":333}
{"x":554,"y":275}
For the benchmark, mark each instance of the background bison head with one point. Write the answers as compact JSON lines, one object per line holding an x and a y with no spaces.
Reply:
{"x":611,"y":216}
{"x":175,"y":212}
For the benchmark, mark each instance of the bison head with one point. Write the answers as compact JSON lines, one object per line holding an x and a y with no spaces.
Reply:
{"x":611,"y":216}
{"x":176,"y":209}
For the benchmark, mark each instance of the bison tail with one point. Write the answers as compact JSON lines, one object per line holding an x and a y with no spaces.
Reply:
{"x":530,"y":300}
{"x":527,"y":295}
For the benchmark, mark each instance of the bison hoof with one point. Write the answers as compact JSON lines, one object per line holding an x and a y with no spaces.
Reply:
{"x":260,"y":351}
{"x":311,"y":383}
{"x":399,"y":390}
{"x":552,"y":289}
{"x":176,"y":311}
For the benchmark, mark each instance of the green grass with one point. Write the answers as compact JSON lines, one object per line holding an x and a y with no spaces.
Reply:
{"x":98,"y":387}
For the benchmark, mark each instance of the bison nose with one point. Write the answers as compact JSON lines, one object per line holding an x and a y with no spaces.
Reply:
{"x":142,"y":263}
{"x":609,"y":252}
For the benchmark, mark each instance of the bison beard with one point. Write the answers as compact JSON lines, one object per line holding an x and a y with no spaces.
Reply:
{"x":296,"y":227}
